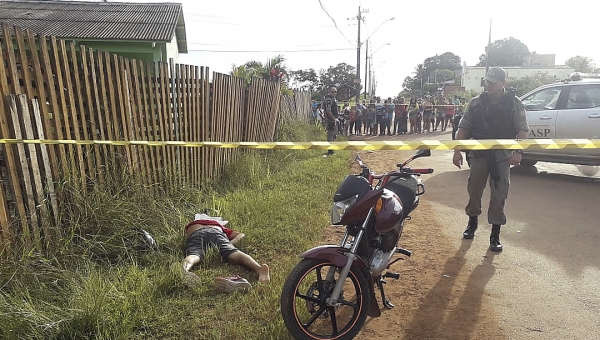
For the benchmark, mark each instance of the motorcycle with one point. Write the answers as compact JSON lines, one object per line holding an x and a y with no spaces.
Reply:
{"x":331,"y":291}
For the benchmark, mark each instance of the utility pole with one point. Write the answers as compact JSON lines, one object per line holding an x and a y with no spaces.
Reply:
{"x":370,"y":76}
{"x":487,"y":59}
{"x":357,"y":80}
{"x":366,"y":67}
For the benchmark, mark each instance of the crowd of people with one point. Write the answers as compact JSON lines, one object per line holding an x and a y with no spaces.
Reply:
{"x":395,"y":117}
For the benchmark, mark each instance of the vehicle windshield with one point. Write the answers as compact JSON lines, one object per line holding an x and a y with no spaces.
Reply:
{"x":542,"y":100}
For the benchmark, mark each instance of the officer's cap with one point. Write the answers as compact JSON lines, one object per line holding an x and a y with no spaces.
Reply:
{"x":495,"y":74}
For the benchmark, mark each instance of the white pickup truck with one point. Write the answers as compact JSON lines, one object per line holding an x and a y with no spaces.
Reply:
{"x":564,"y":110}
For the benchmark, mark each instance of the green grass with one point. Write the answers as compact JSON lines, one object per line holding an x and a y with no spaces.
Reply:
{"x":100,"y":285}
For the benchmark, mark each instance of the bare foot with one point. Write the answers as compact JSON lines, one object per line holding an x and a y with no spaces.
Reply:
{"x":263,"y":274}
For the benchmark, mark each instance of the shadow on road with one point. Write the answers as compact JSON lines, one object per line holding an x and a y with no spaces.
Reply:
{"x":549,"y":213}
{"x":436,"y":317}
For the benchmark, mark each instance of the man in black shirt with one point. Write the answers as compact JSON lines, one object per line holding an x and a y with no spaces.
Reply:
{"x":331,"y":115}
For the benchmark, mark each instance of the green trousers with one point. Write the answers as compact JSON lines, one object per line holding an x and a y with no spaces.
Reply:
{"x":479,"y":176}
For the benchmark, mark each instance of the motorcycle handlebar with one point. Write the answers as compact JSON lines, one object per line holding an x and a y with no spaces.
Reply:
{"x":423,"y":171}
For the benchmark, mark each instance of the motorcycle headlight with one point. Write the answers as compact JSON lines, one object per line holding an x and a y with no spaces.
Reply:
{"x":339,"y":208}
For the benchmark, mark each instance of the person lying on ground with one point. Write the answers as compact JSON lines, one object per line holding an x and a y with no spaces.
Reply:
{"x":205,"y":232}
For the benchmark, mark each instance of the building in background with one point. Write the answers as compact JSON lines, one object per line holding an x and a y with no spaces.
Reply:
{"x":143,"y":31}
{"x":472,"y":76}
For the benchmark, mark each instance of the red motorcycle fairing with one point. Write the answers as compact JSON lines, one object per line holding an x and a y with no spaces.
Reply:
{"x":390,"y":214}
{"x":358,"y":212}
{"x":350,"y":186}
{"x":335,"y":254}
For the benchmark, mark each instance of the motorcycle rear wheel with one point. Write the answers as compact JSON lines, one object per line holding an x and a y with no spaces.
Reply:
{"x":304,"y":302}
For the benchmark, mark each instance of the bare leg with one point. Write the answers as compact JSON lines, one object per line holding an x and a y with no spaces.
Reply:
{"x":189,"y":262}
{"x":247,"y":261}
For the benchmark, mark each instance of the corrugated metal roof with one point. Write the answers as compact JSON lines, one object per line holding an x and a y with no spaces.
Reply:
{"x":97,"y":20}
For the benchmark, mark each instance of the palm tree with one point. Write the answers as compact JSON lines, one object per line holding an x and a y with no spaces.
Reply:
{"x":274,"y":69}
{"x":419,"y":75}
{"x":241,"y":72}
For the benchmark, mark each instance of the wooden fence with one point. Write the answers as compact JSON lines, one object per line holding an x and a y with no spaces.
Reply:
{"x":52,"y":89}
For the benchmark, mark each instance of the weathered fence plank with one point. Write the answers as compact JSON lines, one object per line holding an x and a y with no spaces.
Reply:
{"x":28,"y":203}
{"x":66,"y":91}
{"x":11,"y":86}
{"x":49,"y":184}
{"x":44,"y":220}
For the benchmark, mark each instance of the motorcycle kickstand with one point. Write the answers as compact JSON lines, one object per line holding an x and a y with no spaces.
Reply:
{"x":386,"y":303}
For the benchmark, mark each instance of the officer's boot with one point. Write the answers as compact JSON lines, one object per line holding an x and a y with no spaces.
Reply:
{"x":495,"y":239}
{"x":469,"y":233}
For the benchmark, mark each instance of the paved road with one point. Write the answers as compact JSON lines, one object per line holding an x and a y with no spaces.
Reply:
{"x":546,"y":283}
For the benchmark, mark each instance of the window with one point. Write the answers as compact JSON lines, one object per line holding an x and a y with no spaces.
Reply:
{"x":542,"y":100}
{"x":584,"y":97}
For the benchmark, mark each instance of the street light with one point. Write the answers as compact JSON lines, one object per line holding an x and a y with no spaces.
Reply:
{"x":372,"y":75}
{"x":378,"y":27}
{"x":367,"y":57}
{"x":359,"y":18}
{"x":380,"y":47}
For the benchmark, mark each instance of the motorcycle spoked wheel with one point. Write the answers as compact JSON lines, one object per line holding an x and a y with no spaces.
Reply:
{"x":304,"y":302}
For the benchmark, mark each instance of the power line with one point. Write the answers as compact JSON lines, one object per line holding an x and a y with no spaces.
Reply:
{"x":334,"y":23}
{"x":246,"y":24}
{"x":269,"y":51}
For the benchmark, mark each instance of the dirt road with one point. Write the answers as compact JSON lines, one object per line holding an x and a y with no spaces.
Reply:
{"x":544,"y":285}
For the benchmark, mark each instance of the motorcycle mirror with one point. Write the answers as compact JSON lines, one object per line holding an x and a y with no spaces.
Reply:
{"x":357,"y":158}
{"x":423,"y":153}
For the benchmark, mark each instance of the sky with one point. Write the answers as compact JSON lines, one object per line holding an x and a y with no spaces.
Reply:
{"x":319,"y":34}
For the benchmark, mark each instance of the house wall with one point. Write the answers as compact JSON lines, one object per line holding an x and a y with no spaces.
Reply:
{"x":472,"y":75}
{"x":130,"y":49}
{"x":172,"y":51}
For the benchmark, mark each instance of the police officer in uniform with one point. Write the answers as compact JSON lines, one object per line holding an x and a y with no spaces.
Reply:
{"x":331,"y":115}
{"x":494,"y":114}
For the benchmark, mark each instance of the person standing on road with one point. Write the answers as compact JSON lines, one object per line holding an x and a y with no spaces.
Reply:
{"x":400,"y":117}
{"x":331,"y":115}
{"x":449,"y":111}
{"x":360,"y":110}
{"x":389,"y":114}
{"x":458,"y":115}
{"x":494,"y":114}
{"x":428,"y":115}
{"x":352,"y":119}
{"x":413,"y":111}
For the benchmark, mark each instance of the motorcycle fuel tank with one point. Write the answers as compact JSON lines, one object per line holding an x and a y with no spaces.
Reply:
{"x":390,"y":212}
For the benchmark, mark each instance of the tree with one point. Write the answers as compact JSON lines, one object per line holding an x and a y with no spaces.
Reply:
{"x":408,"y":84}
{"x":450,"y":61}
{"x":274,"y":69}
{"x":441,"y":76}
{"x":433,"y":70}
{"x":337,"y":76}
{"x":528,"y":83}
{"x":505,"y":52}
{"x":581,"y":64}
{"x":445,"y":61}
{"x":307,"y":80}
{"x":420,"y":73}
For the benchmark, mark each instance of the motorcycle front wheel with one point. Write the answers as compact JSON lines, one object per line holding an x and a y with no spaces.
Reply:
{"x":304,"y":307}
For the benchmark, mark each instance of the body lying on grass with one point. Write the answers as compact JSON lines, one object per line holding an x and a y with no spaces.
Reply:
{"x":205,"y":232}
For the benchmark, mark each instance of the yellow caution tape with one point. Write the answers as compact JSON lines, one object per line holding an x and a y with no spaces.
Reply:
{"x":349,"y":145}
